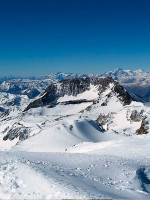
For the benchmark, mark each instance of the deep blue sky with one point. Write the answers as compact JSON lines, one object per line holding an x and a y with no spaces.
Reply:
{"x":44,"y":36}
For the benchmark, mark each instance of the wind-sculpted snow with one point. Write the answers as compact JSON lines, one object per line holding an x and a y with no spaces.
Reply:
{"x":103,"y":100}
{"x":116,"y":169}
{"x":66,"y":135}
{"x":79,"y":139}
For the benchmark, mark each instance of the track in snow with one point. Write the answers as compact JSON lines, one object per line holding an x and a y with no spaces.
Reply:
{"x":62,"y":175}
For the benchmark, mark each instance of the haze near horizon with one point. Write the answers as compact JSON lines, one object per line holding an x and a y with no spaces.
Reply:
{"x":84,"y":36}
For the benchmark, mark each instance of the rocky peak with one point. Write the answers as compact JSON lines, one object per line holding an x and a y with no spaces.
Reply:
{"x":74,"y":86}
{"x":121,"y":93}
{"x":103,"y":83}
{"x":77,"y":86}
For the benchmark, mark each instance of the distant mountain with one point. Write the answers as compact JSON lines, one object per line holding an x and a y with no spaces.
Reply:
{"x":76,"y":86}
{"x":66,"y":130}
{"x":136,"y":82}
{"x":65,"y":102}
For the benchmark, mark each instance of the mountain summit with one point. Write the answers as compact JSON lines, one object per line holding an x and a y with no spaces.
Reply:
{"x":137,"y":82}
{"x":76,"y":86}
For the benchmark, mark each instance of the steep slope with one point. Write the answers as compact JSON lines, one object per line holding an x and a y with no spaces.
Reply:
{"x":54,"y":114}
{"x":74,"y":87}
{"x":81,"y":138}
{"x":137,"y":82}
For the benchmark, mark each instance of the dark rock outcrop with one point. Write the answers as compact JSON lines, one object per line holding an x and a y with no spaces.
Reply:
{"x":136,"y":116}
{"x":49,"y":97}
{"x":103,"y":83}
{"x":76,"y":86}
{"x":103,"y":120}
{"x":73,"y":86}
{"x":75,"y":101}
{"x":15,"y":132}
{"x":143,"y":128}
{"x":65,"y":87}
{"x":121,"y":93}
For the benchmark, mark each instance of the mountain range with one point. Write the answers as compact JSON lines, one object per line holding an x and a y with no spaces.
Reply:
{"x":65,"y":130}
{"x":137,"y":82}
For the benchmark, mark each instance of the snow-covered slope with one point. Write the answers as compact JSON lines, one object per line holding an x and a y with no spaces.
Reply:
{"x":55,"y":115}
{"x":113,"y":169}
{"x":137,"y":82}
{"x":80,"y":138}
{"x":60,"y":137}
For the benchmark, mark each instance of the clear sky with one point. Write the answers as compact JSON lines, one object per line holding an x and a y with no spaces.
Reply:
{"x":44,"y":36}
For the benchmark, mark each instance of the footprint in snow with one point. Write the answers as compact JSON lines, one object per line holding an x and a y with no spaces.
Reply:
{"x":78,"y":169}
{"x":4,"y":168}
{"x":88,"y":169}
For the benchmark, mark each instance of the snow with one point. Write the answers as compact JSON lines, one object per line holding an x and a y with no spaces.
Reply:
{"x":68,"y":156}
{"x":61,"y":137}
{"x":115,"y":169}
{"x":90,"y":94}
{"x":59,"y":110}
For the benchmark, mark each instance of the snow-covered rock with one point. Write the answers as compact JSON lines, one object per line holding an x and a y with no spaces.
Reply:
{"x":80,"y":138}
{"x":78,"y":86}
{"x":103,"y":101}
{"x":137,"y":82}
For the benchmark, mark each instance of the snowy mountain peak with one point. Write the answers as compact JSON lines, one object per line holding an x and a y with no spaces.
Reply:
{"x":94,"y":124}
{"x":138,"y":71}
{"x":76,"y":86}
{"x":117,"y":70}
{"x":137,"y":82}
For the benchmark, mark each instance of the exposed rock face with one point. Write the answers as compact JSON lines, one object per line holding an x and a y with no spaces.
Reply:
{"x":136,"y":116}
{"x":103,"y":120}
{"x":49,"y":97}
{"x":103,"y":83}
{"x":75,"y":102}
{"x":137,"y":82}
{"x":15,"y":132}
{"x":73,"y":86}
{"x":122,"y":94}
{"x":144,"y":127}
{"x":65,"y":87}
{"x":76,"y":86}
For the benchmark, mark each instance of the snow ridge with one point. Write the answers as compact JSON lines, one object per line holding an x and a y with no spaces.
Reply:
{"x":80,"y":138}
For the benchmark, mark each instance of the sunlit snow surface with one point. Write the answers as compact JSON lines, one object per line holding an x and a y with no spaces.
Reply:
{"x":109,"y":169}
{"x":69,"y":156}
